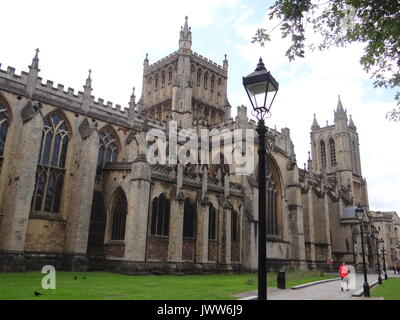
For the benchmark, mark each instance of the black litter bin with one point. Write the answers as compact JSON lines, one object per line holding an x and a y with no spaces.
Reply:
{"x":281,"y":280}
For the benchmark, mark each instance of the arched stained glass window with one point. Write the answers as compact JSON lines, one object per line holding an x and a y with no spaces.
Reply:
{"x":189,"y":219}
{"x":160,"y":216}
{"x":4,"y":124}
{"x":50,"y":172}
{"x":108,"y":148}
{"x":118,"y":215}
{"x":273,"y":198}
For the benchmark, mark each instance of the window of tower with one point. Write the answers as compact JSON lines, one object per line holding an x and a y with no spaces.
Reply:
{"x":323,"y":154}
{"x":333,"y":152}
{"x":205,"y":80}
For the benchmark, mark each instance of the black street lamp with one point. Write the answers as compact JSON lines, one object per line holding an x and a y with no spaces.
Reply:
{"x":360,"y":213}
{"x":375,"y":234}
{"x":261,"y":87}
{"x":384,"y":261}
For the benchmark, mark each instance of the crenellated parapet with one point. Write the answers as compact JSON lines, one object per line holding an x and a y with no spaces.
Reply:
{"x":198,"y":58}
{"x":59,"y":96}
{"x":160,"y":64}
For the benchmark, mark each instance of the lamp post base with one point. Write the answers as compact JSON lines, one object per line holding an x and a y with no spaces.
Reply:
{"x":366,"y":290}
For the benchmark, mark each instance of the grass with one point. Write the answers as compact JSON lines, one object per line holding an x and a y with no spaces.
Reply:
{"x":389,"y":290}
{"x":111,"y":286}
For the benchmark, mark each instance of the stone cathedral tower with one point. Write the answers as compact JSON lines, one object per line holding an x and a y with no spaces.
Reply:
{"x":336,"y":155}
{"x":185,"y":86}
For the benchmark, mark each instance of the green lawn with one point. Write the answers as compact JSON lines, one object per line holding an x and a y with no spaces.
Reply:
{"x":389,"y":290}
{"x":109,"y":286}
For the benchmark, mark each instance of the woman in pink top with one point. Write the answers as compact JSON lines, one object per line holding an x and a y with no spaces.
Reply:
{"x":344,"y":275}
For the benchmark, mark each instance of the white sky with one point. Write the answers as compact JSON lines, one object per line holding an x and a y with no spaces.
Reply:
{"x":112,"y":38}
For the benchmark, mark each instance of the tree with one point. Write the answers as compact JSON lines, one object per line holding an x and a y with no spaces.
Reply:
{"x":341,"y":22}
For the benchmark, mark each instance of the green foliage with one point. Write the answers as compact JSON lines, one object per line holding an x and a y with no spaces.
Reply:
{"x":376,"y":23}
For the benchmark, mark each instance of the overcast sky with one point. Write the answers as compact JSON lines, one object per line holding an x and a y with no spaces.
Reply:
{"x":113,"y":37}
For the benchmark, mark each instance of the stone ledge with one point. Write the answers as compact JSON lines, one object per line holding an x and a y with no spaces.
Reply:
{"x":301,"y":286}
{"x":360,"y":292}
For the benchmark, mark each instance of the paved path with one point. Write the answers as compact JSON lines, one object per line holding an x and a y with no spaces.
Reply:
{"x":324,"y":291}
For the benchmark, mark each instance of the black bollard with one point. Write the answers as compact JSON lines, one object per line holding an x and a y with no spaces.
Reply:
{"x":281,"y":280}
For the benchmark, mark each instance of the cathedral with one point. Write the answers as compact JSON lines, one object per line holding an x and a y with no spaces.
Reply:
{"x":77,"y":190}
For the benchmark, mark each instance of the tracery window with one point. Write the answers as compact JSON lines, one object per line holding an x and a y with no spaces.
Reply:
{"x":323,"y":154}
{"x":119,"y":213}
{"x":333,"y":152}
{"x":205,"y":80}
{"x":273,"y":199}
{"x":4,"y":124}
{"x":50,"y":172}
{"x":212,"y":223}
{"x":189,"y":219}
{"x":160,"y":216}
{"x":108,"y":148}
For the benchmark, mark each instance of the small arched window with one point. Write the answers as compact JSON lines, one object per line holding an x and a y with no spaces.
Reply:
{"x":212,"y":223}
{"x":4,"y":125}
{"x":162,"y":78}
{"x":323,"y":154}
{"x":156,"y":83}
{"x":212,"y":83}
{"x":189,"y":219}
{"x":199,"y":77}
{"x":119,"y":213}
{"x":108,"y":148}
{"x":333,"y":152}
{"x":169,"y":75}
{"x":50,"y":172}
{"x":160,"y":216}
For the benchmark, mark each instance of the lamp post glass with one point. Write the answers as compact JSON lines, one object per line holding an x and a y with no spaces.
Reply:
{"x":261,"y":88}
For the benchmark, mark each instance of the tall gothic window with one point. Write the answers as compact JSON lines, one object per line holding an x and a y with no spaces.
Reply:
{"x":212,"y":223}
{"x":189,"y":219}
{"x":234,"y":226}
{"x":323,"y":154}
{"x":212,"y":83}
{"x":119,"y":213}
{"x":50,"y":172}
{"x":205,"y":81}
{"x":108,"y":148}
{"x":160,"y":216}
{"x":162,"y":78}
{"x":4,"y":124}
{"x":273,"y":199}
{"x":333,"y":152}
